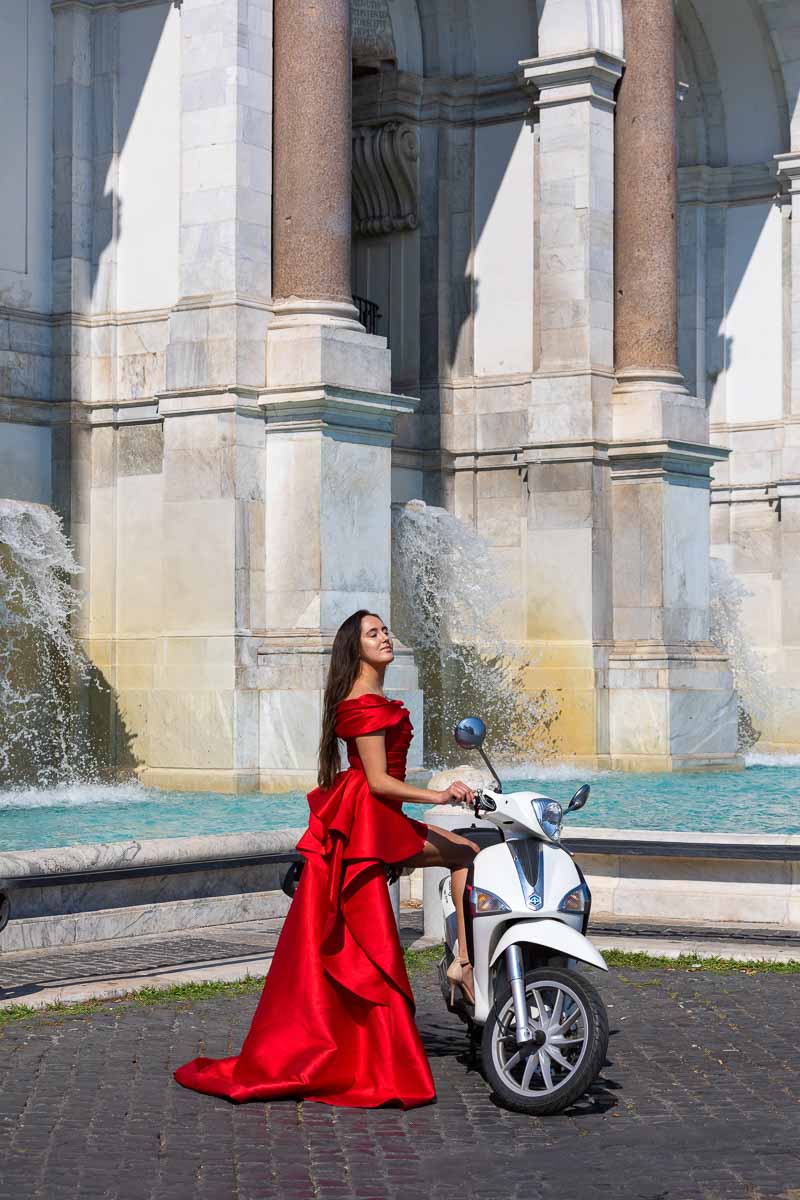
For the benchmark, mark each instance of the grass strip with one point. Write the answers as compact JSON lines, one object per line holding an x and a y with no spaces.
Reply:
{"x":416,"y":962}
{"x":640,"y":960}
{"x":181,"y":993}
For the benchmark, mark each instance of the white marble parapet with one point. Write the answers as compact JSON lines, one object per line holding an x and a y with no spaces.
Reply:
{"x":756,"y":845}
{"x":657,"y":875}
{"x":749,"y":843}
{"x":120,"y":856}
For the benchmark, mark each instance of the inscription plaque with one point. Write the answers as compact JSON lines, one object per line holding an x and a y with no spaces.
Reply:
{"x":373,"y":38}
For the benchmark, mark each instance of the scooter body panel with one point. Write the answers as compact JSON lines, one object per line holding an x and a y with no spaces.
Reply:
{"x":531,"y":875}
{"x":553,"y":935}
{"x":527,"y":913}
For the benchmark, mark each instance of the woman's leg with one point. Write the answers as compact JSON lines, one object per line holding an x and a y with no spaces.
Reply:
{"x":445,"y":849}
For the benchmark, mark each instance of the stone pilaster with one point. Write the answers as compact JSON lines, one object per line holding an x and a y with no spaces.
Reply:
{"x":218,"y":329}
{"x":789,"y":176}
{"x":568,"y":531}
{"x":73,"y":169}
{"x":782,"y":732}
{"x":73,"y":196}
{"x":671,"y":703}
{"x":574,"y":94}
{"x":203,"y":461}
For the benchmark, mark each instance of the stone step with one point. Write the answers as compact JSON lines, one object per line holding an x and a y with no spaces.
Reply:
{"x":123,"y":965}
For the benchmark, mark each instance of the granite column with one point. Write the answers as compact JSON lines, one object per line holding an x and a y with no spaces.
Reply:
{"x":646,"y":196}
{"x":327,"y":404}
{"x":311,"y":162}
{"x":671,"y":702}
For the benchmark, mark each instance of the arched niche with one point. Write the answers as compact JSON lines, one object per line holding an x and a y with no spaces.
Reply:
{"x":736,"y":60}
{"x":504,"y":32}
{"x":780,"y":21}
{"x":701,"y":114}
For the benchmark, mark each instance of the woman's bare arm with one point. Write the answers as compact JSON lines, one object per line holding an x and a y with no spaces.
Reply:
{"x":372,"y":752}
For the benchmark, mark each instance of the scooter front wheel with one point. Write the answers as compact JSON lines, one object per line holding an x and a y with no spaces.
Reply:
{"x":566,"y":1053}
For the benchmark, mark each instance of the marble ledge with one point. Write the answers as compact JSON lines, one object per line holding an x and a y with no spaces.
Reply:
{"x":322,"y":406}
{"x":139,"y":920}
{"x":110,"y":856}
{"x":452,"y":816}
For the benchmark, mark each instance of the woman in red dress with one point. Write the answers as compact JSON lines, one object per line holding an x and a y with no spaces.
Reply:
{"x":335,"y":1021}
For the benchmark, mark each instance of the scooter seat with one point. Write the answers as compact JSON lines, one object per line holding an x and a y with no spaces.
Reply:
{"x":482,"y":836}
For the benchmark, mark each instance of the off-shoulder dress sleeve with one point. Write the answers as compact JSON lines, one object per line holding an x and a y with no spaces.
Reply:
{"x":367,"y":714}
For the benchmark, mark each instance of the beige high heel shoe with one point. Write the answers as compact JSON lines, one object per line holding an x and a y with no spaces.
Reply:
{"x":455,"y":977}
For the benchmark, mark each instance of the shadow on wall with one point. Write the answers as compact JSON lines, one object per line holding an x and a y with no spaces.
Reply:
{"x":733,"y":119}
{"x":124,"y":48}
{"x":109,"y":741}
{"x":140,"y":33}
{"x":80,"y":732}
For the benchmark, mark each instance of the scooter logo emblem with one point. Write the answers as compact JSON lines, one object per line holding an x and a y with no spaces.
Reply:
{"x":534,"y":900}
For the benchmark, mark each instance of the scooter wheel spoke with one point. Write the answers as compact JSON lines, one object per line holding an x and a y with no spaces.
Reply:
{"x":544,"y":1065}
{"x":558,"y":1008}
{"x":558,"y":1057}
{"x":512,"y":1062}
{"x":530,"y":1067}
{"x":561,"y":1042}
{"x":541,"y":1013}
{"x":569,"y":1021}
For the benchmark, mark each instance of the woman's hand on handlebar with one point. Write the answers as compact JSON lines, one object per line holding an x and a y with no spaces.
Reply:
{"x":457,"y":793}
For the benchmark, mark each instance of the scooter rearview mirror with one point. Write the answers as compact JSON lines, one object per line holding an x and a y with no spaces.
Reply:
{"x":470,"y":733}
{"x":579,"y":799}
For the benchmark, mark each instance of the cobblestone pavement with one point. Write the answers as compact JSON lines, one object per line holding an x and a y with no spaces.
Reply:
{"x":701,"y":1098}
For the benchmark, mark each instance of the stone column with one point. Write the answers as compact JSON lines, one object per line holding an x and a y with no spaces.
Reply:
{"x":312,"y":123}
{"x":327,"y":405}
{"x":671,"y":703}
{"x":646,"y":194}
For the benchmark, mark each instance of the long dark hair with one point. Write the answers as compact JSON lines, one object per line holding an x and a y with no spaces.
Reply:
{"x":344,"y":669}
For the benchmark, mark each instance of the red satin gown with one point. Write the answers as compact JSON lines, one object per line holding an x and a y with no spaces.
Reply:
{"x":335,"y":1021}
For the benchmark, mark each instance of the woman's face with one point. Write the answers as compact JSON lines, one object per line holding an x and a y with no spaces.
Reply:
{"x":376,"y":642}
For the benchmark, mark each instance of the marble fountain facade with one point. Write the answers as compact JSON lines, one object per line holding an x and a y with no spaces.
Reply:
{"x":185,"y":378}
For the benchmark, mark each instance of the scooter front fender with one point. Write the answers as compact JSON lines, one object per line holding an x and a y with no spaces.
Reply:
{"x":563,"y":939}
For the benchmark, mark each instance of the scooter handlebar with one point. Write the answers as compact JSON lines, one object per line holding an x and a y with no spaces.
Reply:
{"x":484,"y":802}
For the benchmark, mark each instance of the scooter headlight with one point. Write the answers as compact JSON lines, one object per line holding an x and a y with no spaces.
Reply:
{"x":485,"y":904}
{"x":549,"y":814}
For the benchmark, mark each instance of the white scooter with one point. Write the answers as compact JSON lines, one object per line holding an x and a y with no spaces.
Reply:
{"x":544,"y":1025}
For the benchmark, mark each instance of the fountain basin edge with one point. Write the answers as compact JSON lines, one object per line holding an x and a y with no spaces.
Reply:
{"x":68,"y":895}
{"x":76,"y":894}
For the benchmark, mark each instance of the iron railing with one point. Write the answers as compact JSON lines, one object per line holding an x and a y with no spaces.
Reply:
{"x":368,"y":313}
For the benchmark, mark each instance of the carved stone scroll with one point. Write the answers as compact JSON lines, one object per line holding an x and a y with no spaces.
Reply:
{"x":385,"y":183}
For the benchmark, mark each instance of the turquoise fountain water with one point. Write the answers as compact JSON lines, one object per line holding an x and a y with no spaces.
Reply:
{"x":765,"y":798}
{"x":67,"y":806}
